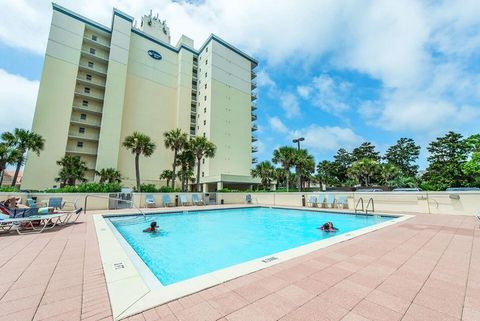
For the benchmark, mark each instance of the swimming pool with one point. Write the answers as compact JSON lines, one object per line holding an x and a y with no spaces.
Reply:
{"x":195,"y":243}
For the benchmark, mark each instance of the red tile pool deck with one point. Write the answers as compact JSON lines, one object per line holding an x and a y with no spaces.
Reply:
{"x":426,"y":268}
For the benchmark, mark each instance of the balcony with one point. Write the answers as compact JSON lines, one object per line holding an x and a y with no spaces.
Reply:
{"x":82,"y":136}
{"x":254,"y":128}
{"x":254,"y":96}
{"x":254,"y":116}
{"x":194,"y":100}
{"x":85,"y":122}
{"x":97,"y":43}
{"x":94,"y":84}
{"x":88,"y":110}
{"x":89,"y":96}
{"x":81,"y":150}
{"x":254,"y":107}
{"x":254,"y":160}
{"x":254,"y":84}
{"x":254,"y":74}
{"x":254,"y":149}
{"x":195,"y":63}
{"x":93,"y":70}
{"x":194,"y":88}
{"x":254,"y":139}
{"x":95,"y":57}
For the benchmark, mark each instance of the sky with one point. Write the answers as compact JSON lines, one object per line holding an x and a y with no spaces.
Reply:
{"x":337,"y":72}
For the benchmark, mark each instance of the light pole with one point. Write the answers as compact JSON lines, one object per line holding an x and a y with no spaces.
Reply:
{"x":297,"y":172}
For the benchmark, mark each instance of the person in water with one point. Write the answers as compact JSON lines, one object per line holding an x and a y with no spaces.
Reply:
{"x":152,"y":229}
{"x":328,"y":227}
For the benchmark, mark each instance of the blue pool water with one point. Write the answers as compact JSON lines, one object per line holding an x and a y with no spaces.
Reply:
{"x":198,"y":242}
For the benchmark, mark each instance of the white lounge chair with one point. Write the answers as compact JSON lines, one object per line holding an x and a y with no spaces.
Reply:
{"x":166,"y":200}
{"x":183,"y":200}
{"x":341,"y":201}
{"x":312,"y":200}
{"x":150,"y":201}
{"x":329,"y":201}
{"x":248,"y":199}
{"x":22,"y":224}
{"x":196,"y":200}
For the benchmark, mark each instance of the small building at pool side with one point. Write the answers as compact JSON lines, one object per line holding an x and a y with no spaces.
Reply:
{"x":100,"y":84}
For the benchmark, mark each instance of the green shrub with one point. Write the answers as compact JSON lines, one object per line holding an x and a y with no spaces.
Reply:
{"x":88,"y":188}
{"x":9,"y":189}
{"x":166,"y":189}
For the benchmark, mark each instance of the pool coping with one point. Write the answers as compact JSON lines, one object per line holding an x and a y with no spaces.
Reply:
{"x":133,"y":288}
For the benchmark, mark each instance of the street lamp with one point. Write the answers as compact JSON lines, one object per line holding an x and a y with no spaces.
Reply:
{"x":298,"y":140}
{"x":299,"y":177}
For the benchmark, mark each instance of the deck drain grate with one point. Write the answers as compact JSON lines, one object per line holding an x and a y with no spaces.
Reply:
{"x":269,"y":259}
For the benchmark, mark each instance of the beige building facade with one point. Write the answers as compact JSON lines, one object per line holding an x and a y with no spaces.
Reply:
{"x":100,"y":84}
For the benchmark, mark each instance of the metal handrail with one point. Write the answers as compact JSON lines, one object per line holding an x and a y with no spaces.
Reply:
{"x":370,"y":201}
{"x":360,"y":200}
{"x":112,"y":198}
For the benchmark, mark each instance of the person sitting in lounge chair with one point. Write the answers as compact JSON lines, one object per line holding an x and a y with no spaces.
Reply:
{"x":14,"y":202}
{"x":152,"y":228}
{"x":328,"y":227}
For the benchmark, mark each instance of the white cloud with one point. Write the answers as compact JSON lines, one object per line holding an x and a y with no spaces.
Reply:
{"x":277,"y":125}
{"x":321,"y":139}
{"x":289,"y":104}
{"x":17,"y":101}
{"x":327,"y":94}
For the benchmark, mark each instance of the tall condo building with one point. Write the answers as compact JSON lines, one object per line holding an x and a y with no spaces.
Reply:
{"x":100,"y":84}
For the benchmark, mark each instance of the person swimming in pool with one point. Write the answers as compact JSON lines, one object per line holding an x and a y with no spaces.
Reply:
{"x":152,"y":229}
{"x":328,"y":227}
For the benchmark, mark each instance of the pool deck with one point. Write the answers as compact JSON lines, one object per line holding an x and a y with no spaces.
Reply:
{"x":426,"y":268}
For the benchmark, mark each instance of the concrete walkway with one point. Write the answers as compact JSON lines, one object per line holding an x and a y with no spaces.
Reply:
{"x":427,"y":268}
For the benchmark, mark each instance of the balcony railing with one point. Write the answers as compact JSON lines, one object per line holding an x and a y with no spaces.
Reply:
{"x":86,"y":122}
{"x":254,"y":149}
{"x":254,"y":116}
{"x":254,"y":96}
{"x":254,"y":84}
{"x":88,"y":110}
{"x":254,"y":138}
{"x":94,"y":56}
{"x":254,"y":128}
{"x":87,"y":82}
{"x":83,"y":136}
{"x":254,"y":160}
{"x":254,"y":74}
{"x":254,"y":107}
{"x":81,"y":150}
{"x":98,"y":43}
{"x":95,"y":70}
{"x":89,"y":96}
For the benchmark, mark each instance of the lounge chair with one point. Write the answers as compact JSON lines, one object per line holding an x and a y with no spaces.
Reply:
{"x":329,"y":200}
{"x":248,"y":199}
{"x":31,"y":202}
{"x":56,"y":202}
{"x":166,"y":200}
{"x":69,"y":215}
{"x":150,"y":201}
{"x":196,"y":200}
{"x":183,"y":200}
{"x":341,"y":201}
{"x":22,"y":221}
{"x":312,"y":200}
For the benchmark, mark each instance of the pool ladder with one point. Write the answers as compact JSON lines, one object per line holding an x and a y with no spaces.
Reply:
{"x":113,"y":198}
{"x":365,"y":209}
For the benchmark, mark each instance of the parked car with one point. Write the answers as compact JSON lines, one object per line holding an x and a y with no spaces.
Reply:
{"x":462,"y":189}
{"x":407,"y":189}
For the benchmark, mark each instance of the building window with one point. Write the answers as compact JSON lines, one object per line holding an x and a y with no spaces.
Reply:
{"x":81,"y":130}
{"x":87,"y":90}
{"x":206,"y":49}
{"x":199,"y":70}
{"x":85,"y":103}
{"x":205,"y":98}
{"x":94,"y":38}
{"x":83,"y":116}
{"x":92,"y":51}
{"x":80,"y":144}
{"x":198,"y":127}
{"x":205,"y":75}
{"x":203,"y":160}
{"x":203,"y":174}
{"x":204,"y":110}
{"x":206,"y":61}
{"x":205,"y":86}
{"x":90,"y":64}
{"x":204,"y":122}
{"x":88,"y":77}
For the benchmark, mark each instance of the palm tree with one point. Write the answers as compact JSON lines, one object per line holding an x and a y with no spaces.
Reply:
{"x":176,"y":140}
{"x":265,"y":171}
{"x":286,"y":157}
{"x":73,"y":169}
{"x":363,"y":170}
{"x":201,"y":147}
{"x":167,"y":175}
{"x":23,"y":140}
{"x":389,"y":172}
{"x":305,"y":164}
{"x":8,"y":155}
{"x":139,"y":144}
{"x":186,"y":161}
{"x":109,"y":175}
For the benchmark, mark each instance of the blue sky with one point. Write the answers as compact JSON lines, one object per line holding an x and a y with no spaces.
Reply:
{"x":336,"y":72}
